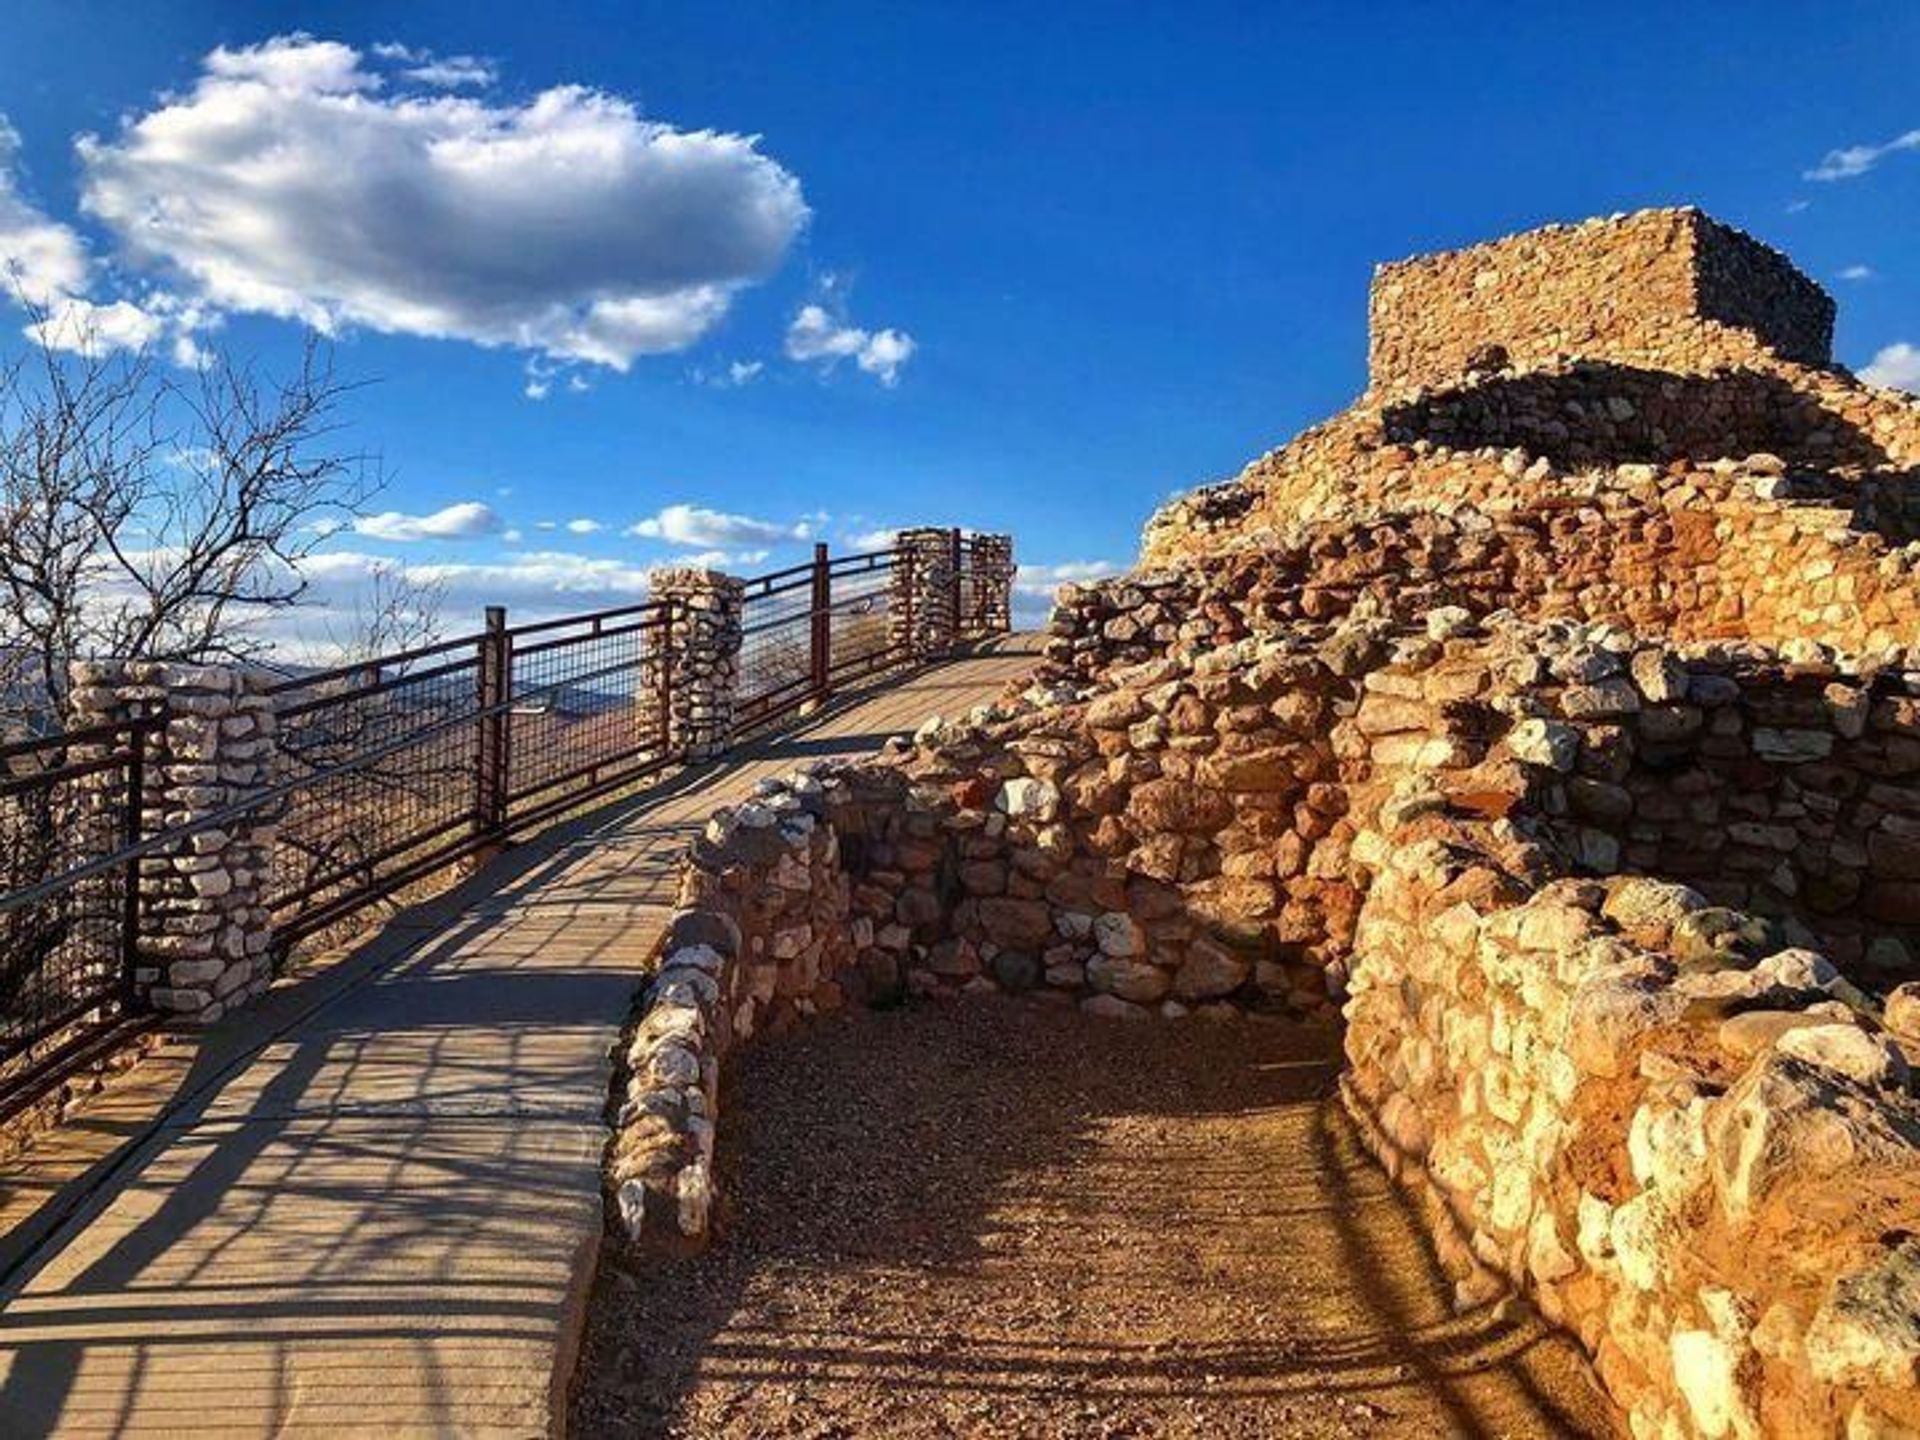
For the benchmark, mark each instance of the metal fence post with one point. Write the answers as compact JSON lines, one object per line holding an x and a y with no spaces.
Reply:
{"x":492,"y":757}
{"x":822,"y":627}
{"x":130,"y":901}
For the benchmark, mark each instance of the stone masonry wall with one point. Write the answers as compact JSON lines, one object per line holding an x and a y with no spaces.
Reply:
{"x":1688,"y":1138}
{"x":1669,"y":288}
{"x":1731,"y":551}
{"x":1696,"y":1151}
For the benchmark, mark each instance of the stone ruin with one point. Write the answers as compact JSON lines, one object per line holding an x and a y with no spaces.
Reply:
{"x":1551,"y":719}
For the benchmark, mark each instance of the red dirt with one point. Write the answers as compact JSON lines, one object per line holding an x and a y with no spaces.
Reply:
{"x":997,"y":1219}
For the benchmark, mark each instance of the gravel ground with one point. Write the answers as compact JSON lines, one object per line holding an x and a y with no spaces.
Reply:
{"x":1002,"y":1219}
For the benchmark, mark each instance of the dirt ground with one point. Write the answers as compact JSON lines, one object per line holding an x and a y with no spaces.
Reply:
{"x":1001,"y":1219}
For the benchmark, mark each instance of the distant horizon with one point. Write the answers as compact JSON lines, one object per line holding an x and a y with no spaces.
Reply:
{"x":678,"y":286}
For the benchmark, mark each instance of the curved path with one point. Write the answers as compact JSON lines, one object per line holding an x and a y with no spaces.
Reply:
{"x":994,"y":1218}
{"x":371,"y":1204}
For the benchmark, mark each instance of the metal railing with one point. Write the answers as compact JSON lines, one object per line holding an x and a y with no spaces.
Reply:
{"x":386,"y":771}
{"x":811,"y":628}
{"x":70,"y":824}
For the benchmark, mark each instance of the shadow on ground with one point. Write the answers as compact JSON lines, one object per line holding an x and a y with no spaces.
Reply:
{"x":1003,"y":1219}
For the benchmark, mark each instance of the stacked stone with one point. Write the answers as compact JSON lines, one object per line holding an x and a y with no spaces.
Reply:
{"x":205,"y":928}
{"x":925,"y":592}
{"x":1669,"y":287}
{"x":992,"y":568}
{"x":702,"y":649}
{"x":765,"y":935}
{"x":1693,"y":1149}
{"x":1736,"y":549}
{"x":1660,"y":338}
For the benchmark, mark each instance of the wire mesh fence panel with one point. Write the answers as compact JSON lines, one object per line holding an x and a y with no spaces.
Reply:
{"x":863,"y":630}
{"x":589,"y":708}
{"x":377,"y":761}
{"x":68,"y":805}
{"x":776,"y":646}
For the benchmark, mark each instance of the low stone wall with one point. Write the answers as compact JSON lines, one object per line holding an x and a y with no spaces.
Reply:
{"x":1697,"y":1153}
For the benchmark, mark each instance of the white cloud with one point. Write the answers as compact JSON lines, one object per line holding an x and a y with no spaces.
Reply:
{"x":294,"y":180}
{"x":1852,"y":161}
{"x":1896,"y":366}
{"x":729,"y":560}
{"x":866,"y":540}
{"x":44,"y":261}
{"x":1042,"y":580}
{"x":584,"y":527}
{"x":448,"y":72}
{"x":695,"y":525}
{"x":817,"y":335}
{"x":1858,"y":272}
{"x":45,"y":266}
{"x":467,"y":520}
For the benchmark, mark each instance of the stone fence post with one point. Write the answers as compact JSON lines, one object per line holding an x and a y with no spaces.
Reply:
{"x":695,"y":677}
{"x":993,"y":574}
{"x":202,"y":942}
{"x":923,"y":592}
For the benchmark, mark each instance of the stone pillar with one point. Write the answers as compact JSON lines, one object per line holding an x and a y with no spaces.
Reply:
{"x":922,"y":603}
{"x":993,"y":573}
{"x":701,"y":659}
{"x":205,"y":930}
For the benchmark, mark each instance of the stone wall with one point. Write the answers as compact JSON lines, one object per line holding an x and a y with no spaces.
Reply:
{"x":1737,"y":550}
{"x":1677,"y":1128}
{"x":1694,"y":1150}
{"x":203,"y":942}
{"x":1668,"y":288}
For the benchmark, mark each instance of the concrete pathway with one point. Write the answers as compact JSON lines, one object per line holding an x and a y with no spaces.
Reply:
{"x":372,"y":1204}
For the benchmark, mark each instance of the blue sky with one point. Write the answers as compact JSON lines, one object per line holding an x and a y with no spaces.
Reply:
{"x":815,"y":269}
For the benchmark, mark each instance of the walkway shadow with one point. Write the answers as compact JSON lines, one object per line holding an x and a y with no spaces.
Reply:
{"x":307,"y":1228}
{"x":1002,"y":1219}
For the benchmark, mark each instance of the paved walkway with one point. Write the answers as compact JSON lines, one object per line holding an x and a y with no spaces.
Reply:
{"x":372,"y":1204}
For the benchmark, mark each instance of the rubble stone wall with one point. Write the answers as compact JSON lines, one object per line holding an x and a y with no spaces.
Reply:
{"x":1688,"y":1138}
{"x":1671,"y":288}
{"x":1690,"y":555}
{"x":1698,"y":1153}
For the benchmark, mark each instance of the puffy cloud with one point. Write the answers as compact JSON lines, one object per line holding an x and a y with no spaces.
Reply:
{"x":1043,"y":580}
{"x":44,"y":261}
{"x":293,"y":179}
{"x":1852,"y":161}
{"x":816,"y":335}
{"x":467,"y":520}
{"x":44,"y":266}
{"x":1896,"y":366}
{"x":695,"y":525}
{"x":584,"y":527}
